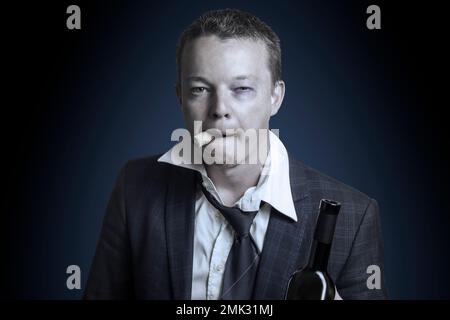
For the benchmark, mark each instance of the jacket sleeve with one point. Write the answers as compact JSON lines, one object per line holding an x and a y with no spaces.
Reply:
{"x":111,"y":275}
{"x":362,"y":276}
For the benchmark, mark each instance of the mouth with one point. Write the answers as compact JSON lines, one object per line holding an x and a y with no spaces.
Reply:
{"x":230,"y":133}
{"x":221,"y":133}
{"x":203,"y":138}
{"x":224,"y":135}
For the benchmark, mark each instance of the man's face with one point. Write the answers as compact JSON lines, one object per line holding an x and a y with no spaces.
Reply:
{"x":227,"y":84}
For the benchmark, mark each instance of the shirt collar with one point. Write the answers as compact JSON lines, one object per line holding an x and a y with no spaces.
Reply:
{"x":278,"y":187}
{"x":273,"y":186}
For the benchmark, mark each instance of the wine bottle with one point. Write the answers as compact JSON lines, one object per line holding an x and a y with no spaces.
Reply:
{"x":312,"y":282}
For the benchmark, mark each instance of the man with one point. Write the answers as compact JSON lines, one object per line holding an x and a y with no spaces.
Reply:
{"x":170,"y":230}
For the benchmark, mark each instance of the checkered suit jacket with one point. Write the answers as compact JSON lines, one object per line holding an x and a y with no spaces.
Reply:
{"x":145,"y":249}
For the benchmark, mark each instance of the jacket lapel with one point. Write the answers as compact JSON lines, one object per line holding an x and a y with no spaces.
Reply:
{"x":180,"y":215}
{"x":283,"y":238}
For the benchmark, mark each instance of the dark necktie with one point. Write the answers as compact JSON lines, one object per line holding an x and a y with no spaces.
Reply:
{"x":242,"y":262}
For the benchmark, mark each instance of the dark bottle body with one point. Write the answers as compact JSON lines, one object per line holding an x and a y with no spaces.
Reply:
{"x":313,"y":282}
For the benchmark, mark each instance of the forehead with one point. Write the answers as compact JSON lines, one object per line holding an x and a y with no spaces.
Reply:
{"x":209,"y":56}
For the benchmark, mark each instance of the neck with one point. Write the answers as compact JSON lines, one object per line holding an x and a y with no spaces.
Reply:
{"x":231,"y":181}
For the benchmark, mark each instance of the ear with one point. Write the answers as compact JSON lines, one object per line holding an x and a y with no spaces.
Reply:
{"x":277,"y":97}
{"x":178,"y":93}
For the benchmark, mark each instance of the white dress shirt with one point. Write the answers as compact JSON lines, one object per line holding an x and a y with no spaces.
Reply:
{"x":213,"y":235}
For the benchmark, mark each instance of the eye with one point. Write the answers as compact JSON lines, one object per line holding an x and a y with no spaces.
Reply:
{"x":242,"y":89}
{"x":198,"y":90}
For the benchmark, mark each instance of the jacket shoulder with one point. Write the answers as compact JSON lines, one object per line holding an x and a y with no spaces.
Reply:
{"x":146,"y":173}
{"x":148,"y":165}
{"x":322,"y":185}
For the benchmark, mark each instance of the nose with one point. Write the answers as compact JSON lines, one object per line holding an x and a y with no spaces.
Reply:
{"x":218,"y":108}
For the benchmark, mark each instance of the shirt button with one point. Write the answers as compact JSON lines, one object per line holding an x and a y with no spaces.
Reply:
{"x":219,"y":268}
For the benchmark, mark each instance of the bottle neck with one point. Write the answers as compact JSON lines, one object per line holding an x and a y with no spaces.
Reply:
{"x":318,"y":258}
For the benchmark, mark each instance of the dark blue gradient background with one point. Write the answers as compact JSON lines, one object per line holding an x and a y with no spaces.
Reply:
{"x":360,"y":106}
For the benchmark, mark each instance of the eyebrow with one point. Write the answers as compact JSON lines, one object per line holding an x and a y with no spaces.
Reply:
{"x":244,"y":77}
{"x":198,"y":78}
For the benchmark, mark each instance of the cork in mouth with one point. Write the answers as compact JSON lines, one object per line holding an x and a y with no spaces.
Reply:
{"x":203,"y":138}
